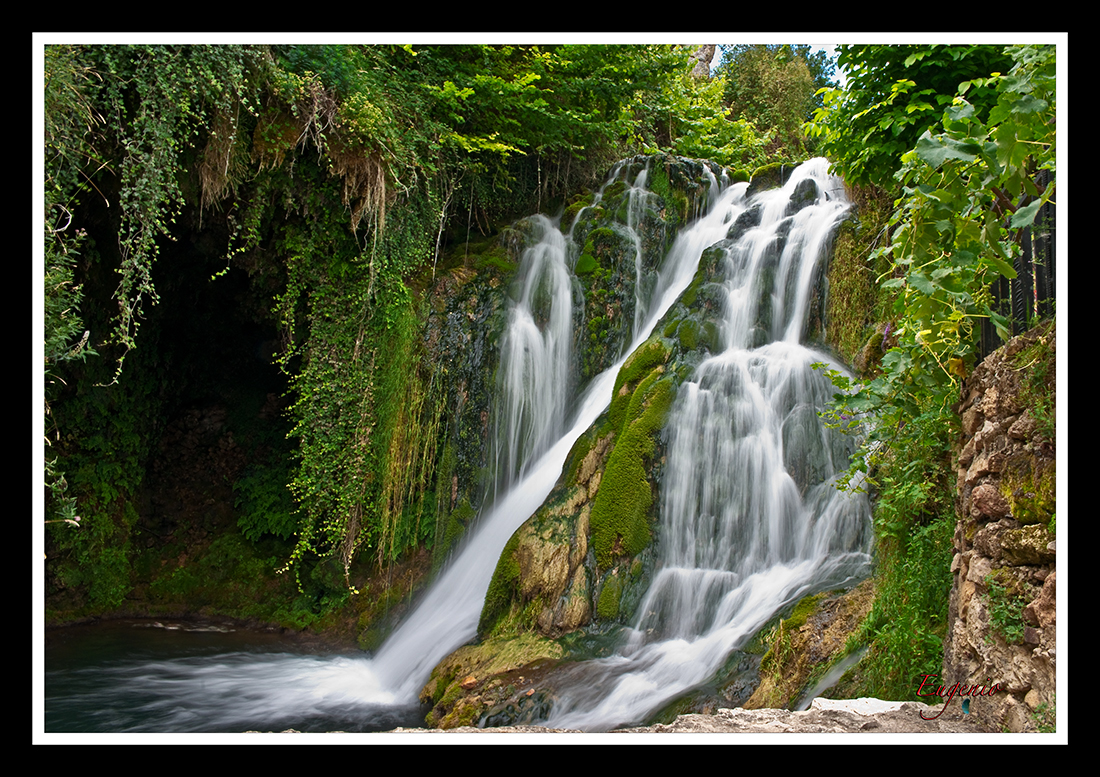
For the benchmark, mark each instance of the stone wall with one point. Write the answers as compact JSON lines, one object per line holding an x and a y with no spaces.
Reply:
{"x":1002,"y":606}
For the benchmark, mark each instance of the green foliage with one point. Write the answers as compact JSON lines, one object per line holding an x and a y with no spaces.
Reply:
{"x":908,"y":621}
{"x":1045,"y":718}
{"x":265,"y":504}
{"x":1006,"y":604}
{"x":119,"y":124}
{"x":774,"y":87}
{"x":687,"y":117}
{"x":157,"y":100}
{"x":950,"y":240}
{"x":69,"y":122}
{"x":966,"y":191}
{"x":103,"y":441}
{"x":365,"y":426}
{"x":893,"y":95}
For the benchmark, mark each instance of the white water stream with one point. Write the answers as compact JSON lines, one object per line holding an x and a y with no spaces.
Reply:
{"x":447,"y":618}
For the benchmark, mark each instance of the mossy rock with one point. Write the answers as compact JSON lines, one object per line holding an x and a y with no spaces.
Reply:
{"x":614,"y":191}
{"x":640,"y":405}
{"x":469,"y":682}
{"x":802,"y":646}
{"x":499,"y":597}
{"x":586,"y":263}
{"x":770,"y":176}
{"x":578,"y":203}
{"x":1028,"y":484}
{"x":611,"y":593}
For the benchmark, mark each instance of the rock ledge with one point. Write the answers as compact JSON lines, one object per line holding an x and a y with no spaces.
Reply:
{"x":825,"y":716}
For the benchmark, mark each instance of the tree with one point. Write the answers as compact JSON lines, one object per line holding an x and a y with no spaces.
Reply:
{"x":776,"y":88}
{"x":893,"y":95}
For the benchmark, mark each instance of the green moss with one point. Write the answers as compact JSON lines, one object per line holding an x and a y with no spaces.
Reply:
{"x":575,"y":207}
{"x":680,"y":203}
{"x":855,"y":302}
{"x":610,"y":595}
{"x":620,"y":511}
{"x":1028,"y":485}
{"x":498,"y":599}
{"x":579,"y":450}
{"x":494,"y":258}
{"x":614,"y":191}
{"x":1038,"y":365}
{"x":646,"y":357}
{"x":689,"y":335}
{"x":770,"y":176}
{"x":802,"y":611}
{"x":456,"y":525}
{"x":586,"y":263}
{"x":658,"y":182}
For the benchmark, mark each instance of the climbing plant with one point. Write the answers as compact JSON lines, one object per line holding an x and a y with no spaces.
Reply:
{"x":966,"y":191}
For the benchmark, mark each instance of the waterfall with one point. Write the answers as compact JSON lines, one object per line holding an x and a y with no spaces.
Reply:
{"x":750,"y":518}
{"x":534,"y":379}
{"x":448,"y":615}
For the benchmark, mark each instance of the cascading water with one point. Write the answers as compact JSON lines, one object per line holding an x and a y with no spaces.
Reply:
{"x":534,"y":436}
{"x":535,"y":361}
{"x":750,"y":517}
{"x":448,"y":616}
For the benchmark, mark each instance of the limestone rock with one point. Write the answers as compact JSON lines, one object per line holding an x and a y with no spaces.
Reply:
{"x":1027,"y":546}
{"x":986,"y":500}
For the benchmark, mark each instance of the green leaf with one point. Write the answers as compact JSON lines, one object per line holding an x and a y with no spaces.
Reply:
{"x":921,"y":283}
{"x":935,"y":152}
{"x":1002,"y":325}
{"x":1025,"y":216}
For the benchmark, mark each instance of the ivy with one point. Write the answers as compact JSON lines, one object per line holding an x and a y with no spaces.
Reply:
{"x":156,"y":101}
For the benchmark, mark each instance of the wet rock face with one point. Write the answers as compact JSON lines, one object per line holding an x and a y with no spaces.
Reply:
{"x":1002,"y":599}
{"x":461,"y":341}
{"x":577,"y":565}
{"x":814,"y":636}
{"x":621,"y":241}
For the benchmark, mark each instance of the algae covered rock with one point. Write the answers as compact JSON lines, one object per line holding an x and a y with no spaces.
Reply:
{"x":474,"y":679}
{"x":802,"y":646}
